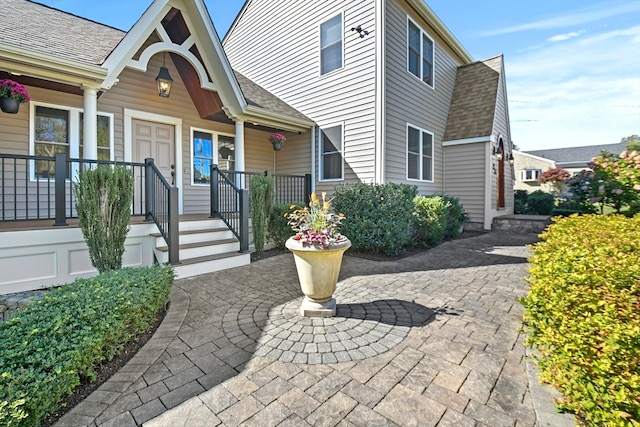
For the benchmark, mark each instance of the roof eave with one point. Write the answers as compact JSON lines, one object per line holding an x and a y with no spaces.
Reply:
{"x":263,"y":117}
{"x":19,"y":60}
{"x":439,"y":26}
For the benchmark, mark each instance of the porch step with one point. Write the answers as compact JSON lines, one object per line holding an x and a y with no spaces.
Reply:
{"x":206,"y":245}
{"x":207,"y":264}
{"x":521,"y":224}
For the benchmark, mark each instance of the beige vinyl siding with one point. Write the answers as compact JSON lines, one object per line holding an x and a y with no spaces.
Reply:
{"x":287,"y":64}
{"x":411,"y":101}
{"x":465,"y":175}
{"x":136,"y":90}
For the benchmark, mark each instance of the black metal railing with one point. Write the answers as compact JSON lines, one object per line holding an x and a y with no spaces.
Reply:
{"x":40,"y":187}
{"x":230,"y":203}
{"x":287,"y":188}
{"x":161,"y":207}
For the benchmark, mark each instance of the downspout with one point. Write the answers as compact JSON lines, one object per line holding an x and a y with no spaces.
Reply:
{"x":313,"y":158}
{"x":380,"y":118}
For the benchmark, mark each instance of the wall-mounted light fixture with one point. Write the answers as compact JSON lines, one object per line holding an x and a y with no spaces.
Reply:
{"x":511,"y":159}
{"x":164,"y":80}
{"x":360,"y":31}
{"x":498,"y":152}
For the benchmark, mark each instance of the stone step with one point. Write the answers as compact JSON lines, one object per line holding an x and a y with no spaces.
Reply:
{"x":522,"y":224}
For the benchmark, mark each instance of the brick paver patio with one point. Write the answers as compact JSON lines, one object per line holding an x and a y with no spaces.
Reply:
{"x":429,"y":340}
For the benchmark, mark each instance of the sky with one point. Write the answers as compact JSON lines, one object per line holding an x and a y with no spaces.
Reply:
{"x":572,"y":66}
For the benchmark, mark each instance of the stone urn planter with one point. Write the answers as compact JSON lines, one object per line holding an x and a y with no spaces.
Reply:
{"x":318,"y":270}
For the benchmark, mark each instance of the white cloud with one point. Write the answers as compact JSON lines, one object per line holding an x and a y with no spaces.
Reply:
{"x":584,"y":91}
{"x":578,"y":17}
{"x":563,"y":37}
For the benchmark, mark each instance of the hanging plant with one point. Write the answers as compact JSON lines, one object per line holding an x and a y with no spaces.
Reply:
{"x":277,"y":139}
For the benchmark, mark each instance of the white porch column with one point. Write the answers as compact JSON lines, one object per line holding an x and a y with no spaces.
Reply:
{"x":240,"y":145}
{"x":90,"y":124}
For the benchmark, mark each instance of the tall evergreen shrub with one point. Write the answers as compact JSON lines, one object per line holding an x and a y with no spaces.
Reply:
{"x":103,"y":199}
{"x":260,"y":202}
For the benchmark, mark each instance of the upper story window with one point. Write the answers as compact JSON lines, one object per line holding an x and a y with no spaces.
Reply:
{"x":331,"y":44}
{"x":58,"y":130}
{"x":331,"y":148}
{"x":530,"y":174}
{"x":420,"y":47}
{"x":419,"y":154}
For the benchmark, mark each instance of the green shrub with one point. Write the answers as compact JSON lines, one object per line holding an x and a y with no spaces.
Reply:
{"x":429,"y":220}
{"x":49,"y":346}
{"x":540,"y":203}
{"x":260,"y":202}
{"x":520,"y":201}
{"x":278,"y":229}
{"x":455,"y":217}
{"x":569,"y":207}
{"x":378,"y":216}
{"x":582,"y":313}
{"x":104,"y":196}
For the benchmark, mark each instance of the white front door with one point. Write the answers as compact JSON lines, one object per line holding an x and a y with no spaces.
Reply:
{"x":156,"y":141}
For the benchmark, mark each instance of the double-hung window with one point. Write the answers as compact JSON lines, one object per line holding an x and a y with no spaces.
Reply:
{"x":331,"y":44}
{"x":204,"y":154}
{"x":419,"y":154}
{"x":420,"y":47}
{"x":331,"y":144}
{"x":59,"y":130}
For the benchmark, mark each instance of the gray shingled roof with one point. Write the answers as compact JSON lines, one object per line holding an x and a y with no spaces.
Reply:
{"x":258,"y":96}
{"x":577,"y":154}
{"x":34,"y":26}
{"x":473,"y":103}
{"x":54,"y":32}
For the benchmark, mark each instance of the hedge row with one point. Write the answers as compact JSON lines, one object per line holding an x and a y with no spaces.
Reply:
{"x":582,"y":313}
{"x":49,"y":346}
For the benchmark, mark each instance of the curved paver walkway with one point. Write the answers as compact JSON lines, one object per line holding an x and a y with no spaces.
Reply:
{"x":428,"y":340}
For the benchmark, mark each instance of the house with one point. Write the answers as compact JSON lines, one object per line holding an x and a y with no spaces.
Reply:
{"x":395,"y":96}
{"x":529,"y":165}
{"x":370,"y":91}
{"x":95,"y":96}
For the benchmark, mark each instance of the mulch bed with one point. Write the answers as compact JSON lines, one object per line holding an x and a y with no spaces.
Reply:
{"x":365,"y":255}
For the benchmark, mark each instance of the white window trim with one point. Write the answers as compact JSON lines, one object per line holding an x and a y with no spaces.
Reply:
{"x":433,"y":162}
{"x":74,"y":132}
{"x":433,"y":53}
{"x":536,"y":174}
{"x":321,"y":157}
{"x":341,"y":13}
{"x":214,"y":148}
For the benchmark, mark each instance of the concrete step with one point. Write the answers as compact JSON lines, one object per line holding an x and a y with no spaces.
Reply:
{"x":201,"y":224}
{"x":522,"y":224}
{"x":208,"y":264}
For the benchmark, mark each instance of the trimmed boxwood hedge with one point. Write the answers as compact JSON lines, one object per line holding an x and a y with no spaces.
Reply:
{"x":50,"y":345}
{"x":582,"y":313}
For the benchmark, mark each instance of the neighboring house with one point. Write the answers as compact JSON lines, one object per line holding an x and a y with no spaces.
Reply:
{"x":395,"y":98}
{"x":529,"y":165}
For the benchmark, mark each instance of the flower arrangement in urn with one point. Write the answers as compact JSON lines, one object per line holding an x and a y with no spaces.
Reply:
{"x":317,"y":249}
{"x":315,"y":224}
{"x":277,"y":139}
{"x":12,"y":94}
